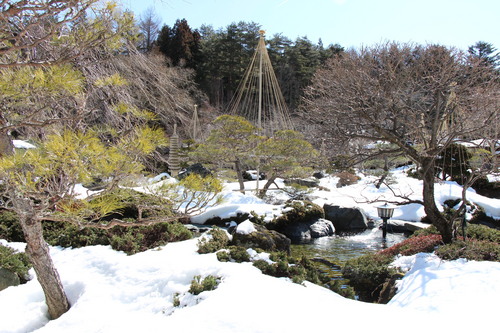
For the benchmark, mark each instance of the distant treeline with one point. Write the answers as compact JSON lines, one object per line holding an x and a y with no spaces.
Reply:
{"x":220,"y":57}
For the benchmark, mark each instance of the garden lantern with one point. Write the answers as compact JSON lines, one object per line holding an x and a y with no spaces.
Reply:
{"x":385,"y":212}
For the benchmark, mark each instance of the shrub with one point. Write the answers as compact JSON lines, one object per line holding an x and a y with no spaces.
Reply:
{"x":65,"y":234}
{"x":479,"y":216}
{"x":367,"y":273}
{"x":471,"y":250}
{"x":129,"y":239}
{"x":223,"y":256}
{"x":10,"y":229}
{"x":199,"y":285}
{"x":346,"y":179}
{"x":239,"y":254}
{"x":234,"y":253}
{"x":430,"y":230}
{"x":482,"y":232}
{"x":15,"y":262}
{"x":133,"y":239}
{"x":413,"y":245}
{"x":217,"y":241}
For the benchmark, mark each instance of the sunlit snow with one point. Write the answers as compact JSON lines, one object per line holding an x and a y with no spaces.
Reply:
{"x":112,"y":292}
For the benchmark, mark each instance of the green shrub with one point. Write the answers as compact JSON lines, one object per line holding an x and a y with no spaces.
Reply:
{"x":471,"y":250}
{"x":223,"y":256}
{"x":264,"y":266}
{"x":234,"y":253}
{"x":216,"y":242}
{"x":65,"y":234}
{"x":431,"y":230}
{"x":367,"y":273}
{"x":15,"y":262}
{"x":199,"y":285}
{"x":239,"y":254}
{"x":133,"y":239}
{"x":299,"y":271}
{"x":482,"y":232}
{"x":479,"y":216}
{"x":129,"y":239}
{"x":127,"y":242}
{"x":10,"y":229}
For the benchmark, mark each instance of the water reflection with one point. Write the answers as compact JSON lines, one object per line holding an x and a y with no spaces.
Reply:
{"x":340,"y":248}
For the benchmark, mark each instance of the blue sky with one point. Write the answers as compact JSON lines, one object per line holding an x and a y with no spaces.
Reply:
{"x":350,"y":23}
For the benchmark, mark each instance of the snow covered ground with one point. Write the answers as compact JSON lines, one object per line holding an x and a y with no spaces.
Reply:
{"x":112,"y":292}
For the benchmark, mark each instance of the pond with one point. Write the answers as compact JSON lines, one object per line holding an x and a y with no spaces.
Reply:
{"x":340,"y":248}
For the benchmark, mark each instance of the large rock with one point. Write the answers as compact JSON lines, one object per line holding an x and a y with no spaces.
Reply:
{"x":322,"y":228}
{"x":346,"y":219}
{"x":8,"y":279}
{"x":262,"y":238}
{"x":297,"y":219}
{"x":303,"y":231}
{"x":196,"y":168}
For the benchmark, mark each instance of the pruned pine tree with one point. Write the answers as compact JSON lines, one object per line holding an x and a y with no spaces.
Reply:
{"x":38,"y":38}
{"x":285,"y":154}
{"x":40,"y":33}
{"x":40,"y":44}
{"x":231,"y":141}
{"x":40,"y":184}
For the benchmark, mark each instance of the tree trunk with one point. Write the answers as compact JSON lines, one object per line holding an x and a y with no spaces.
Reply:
{"x":438,"y":220}
{"x":6,"y":145}
{"x":268,"y":184}
{"x":237,"y":167}
{"x":38,"y":253}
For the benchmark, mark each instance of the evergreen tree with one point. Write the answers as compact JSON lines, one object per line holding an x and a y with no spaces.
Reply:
{"x":285,"y":154}
{"x":180,"y":44}
{"x":230,"y":142}
{"x":39,"y":88}
{"x":39,"y":183}
{"x":225,"y":57}
{"x":486,"y":53}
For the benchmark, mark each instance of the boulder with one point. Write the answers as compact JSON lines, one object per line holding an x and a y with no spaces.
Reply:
{"x":8,"y":279}
{"x":322,"y":228}
{"x":252,"y":175}
{"x":320,"y":175}
{"x":196,"y":168}
{"x":346,"y":219}
{"x":297,"y":219}
{"x":303,"y":231}
{"x":224,"y":222}
{"x":262,"y":238}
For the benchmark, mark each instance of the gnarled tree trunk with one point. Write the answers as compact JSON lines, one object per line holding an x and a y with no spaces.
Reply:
{"x":237,"y":167}
{"x":438,"y":220}
{"x":268,"y":184}
{"x":38,"y":253}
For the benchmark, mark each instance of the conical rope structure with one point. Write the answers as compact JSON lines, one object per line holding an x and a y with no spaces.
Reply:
{"x":259,"y":98}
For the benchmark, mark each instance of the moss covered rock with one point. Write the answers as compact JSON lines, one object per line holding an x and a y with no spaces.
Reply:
{"x":262,"y":238}
{"x":301,"y":220}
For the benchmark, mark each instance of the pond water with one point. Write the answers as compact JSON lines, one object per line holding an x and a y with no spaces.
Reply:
{"x":340,"y":248}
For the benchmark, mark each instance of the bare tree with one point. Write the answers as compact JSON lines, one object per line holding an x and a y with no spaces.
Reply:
{"x":420,"y":98}
{"x":149,"y":26}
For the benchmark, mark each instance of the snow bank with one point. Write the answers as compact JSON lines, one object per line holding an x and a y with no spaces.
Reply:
{"x":112,"y":292}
